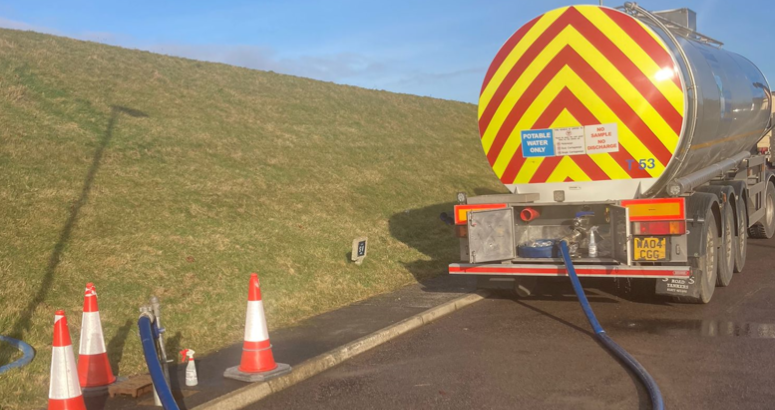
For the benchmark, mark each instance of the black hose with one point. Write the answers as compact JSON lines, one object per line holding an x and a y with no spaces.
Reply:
{"x":657,"y":403}
{"x":154,"y":367}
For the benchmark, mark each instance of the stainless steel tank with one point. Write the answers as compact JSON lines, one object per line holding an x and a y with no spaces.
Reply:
{"x":728,"y":98}
{"x":613,"y":104}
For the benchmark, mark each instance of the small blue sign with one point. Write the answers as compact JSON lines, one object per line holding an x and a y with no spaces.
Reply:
{"x":537,"y":143}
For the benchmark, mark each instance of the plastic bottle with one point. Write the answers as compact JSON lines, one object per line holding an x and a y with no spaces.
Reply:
{"x":191,"y":378}
{"x":592,"y":242}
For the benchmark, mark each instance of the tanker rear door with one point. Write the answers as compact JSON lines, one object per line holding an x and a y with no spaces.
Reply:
{"x":491,"y":235}
{"x":620,"y":233}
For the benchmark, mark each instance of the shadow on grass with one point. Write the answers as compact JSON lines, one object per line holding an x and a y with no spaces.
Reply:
{"x":116,"y":346}
{"x":22,"y":324}
{"x":423,"y":230}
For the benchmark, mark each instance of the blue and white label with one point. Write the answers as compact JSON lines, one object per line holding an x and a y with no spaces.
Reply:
{"x":537,"y":143}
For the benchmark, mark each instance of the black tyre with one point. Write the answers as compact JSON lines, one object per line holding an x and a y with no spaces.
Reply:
{"x":741,"y":239}
{"x":726,"y":257}
{"x":765,"y":228}
{"x":705,"y":267}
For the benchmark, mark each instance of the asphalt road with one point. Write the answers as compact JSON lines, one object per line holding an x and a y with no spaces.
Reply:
{"x":537,"y":353}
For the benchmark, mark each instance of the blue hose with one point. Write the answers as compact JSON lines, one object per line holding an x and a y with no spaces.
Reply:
{"x":154,"y":367}
{"x":27,"y":353}
{"x":657,"y":403}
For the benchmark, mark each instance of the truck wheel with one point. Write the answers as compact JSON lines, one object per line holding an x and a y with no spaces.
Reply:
{"x":741,"y":239}
{"x":726,"y":257}
{"x":765,"y":228}
{"x":704,"y":268}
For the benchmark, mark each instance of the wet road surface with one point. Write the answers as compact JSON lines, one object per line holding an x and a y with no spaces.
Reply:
{"x":538,"y":353}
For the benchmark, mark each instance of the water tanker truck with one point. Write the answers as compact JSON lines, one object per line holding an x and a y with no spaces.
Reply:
{"x":630,"y":135}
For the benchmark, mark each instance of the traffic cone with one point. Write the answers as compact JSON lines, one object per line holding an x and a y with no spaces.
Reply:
{"x":257,"y":363}
{"x":64,"y":393}
{"x":94,"y":372}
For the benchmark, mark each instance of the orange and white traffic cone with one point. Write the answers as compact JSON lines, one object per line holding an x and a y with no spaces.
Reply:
{"x":94,"y":372}
{"x":64,"y":392}
{"x":257,"y":363}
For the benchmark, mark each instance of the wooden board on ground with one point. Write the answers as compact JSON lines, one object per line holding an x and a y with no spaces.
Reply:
{"x":134,"y":386}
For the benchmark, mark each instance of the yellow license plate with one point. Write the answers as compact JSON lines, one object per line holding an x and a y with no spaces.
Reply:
{"x":647,"y":248}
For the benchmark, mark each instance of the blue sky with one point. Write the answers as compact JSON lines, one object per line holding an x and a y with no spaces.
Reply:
{"x":435,"y":48}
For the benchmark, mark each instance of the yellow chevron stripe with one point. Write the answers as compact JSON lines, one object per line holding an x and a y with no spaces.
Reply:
{"x":528,"y":76}
{"x":544,"y":98}
{"x":612,"y":75}
{"x":567,"y":168}
{"x":612,"y":168}
{"x":567,"y":78}
{"x":566,"y":119}
{"x":606,"y":163}
{"x":654,"y":35}
{"x":636,"y":54}
{"x":605,"y":115}
{"x":538,"y":28}
{"x":625,"y":89}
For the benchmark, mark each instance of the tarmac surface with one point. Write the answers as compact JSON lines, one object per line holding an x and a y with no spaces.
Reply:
{"x":538,"y":353}
{"x":296,"y":344}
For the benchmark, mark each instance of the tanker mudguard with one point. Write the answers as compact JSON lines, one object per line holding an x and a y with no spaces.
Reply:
{"x":697,"y":206}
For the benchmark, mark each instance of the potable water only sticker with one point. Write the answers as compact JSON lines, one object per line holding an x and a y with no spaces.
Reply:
{"x":602,"y":138}
{"x":569,"y":141}
{"x":537,"y":143}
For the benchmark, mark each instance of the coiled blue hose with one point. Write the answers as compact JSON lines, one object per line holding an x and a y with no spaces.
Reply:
{"x":27,"y":353}
{"x":657,"y":403}
{"x":154,"y":367}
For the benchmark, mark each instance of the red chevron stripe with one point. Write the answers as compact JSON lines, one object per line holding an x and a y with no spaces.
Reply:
{"x":566,"y":99}
{"x":636,"y":77}
{"x":506,"y":49}
{"x":644,"y":40}
{"x":545,"y":169}
{"x":581,"y":113}
{"x":568,"y":56}
{"x":515,"y":164}
{"x":585,"y":117}
{"x":631,"y":72}
{"x":525,"y":100}
{"x":620,"y":108}
{"x":524,"y":61}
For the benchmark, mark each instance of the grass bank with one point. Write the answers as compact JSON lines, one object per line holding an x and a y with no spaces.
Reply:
{"x":148,"y":174}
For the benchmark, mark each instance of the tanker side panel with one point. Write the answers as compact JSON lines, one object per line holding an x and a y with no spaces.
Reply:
{"x":733,"y":107}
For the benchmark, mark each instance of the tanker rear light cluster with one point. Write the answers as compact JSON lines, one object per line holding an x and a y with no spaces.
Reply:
{"x":659,"y":228}
{"x":656,"y":209}
{"x":657,"y":216}
{"x":461,"y":211}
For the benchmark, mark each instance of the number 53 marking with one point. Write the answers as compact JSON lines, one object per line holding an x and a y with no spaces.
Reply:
{"x":647,"y":163}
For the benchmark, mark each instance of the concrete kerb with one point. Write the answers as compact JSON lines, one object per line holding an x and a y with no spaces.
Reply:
{"x":252,"y":393}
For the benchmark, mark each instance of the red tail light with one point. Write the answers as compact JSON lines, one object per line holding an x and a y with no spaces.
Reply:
{"x":659,"y":228}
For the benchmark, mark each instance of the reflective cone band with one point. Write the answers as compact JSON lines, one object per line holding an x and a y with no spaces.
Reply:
{"x":93,"y":366}
{"x":256,"y":349}
{"x":64,"y":392}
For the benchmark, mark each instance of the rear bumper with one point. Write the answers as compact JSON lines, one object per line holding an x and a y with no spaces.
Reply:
{"x":596,"y":271}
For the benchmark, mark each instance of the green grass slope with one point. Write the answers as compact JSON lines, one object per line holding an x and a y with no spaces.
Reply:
{"x":148,"y":174}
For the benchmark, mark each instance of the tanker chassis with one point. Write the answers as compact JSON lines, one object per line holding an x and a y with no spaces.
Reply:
{"x":630,"y":135}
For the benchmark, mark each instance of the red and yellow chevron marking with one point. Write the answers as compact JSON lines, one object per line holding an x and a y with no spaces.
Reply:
{"x":575,"y":66}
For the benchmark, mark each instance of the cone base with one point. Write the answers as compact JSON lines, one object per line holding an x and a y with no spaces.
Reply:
{"x":236,"y":374}
{"x":95,"y":391}
{"x":75,"y":403}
